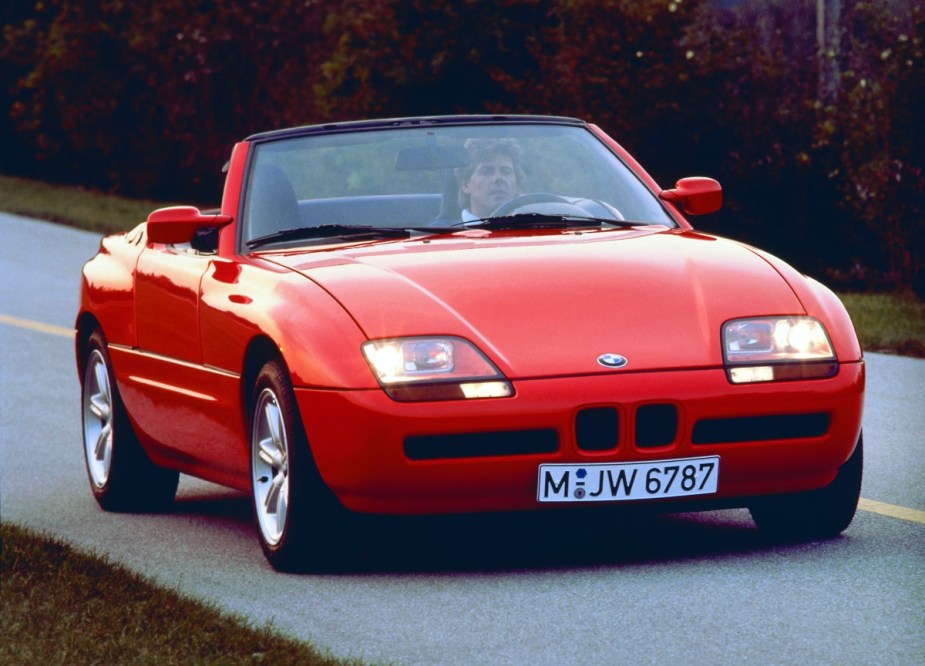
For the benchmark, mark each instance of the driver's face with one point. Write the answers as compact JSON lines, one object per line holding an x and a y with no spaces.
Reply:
{"x":493,"y":183}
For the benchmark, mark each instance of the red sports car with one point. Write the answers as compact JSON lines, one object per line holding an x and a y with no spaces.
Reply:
{"x":461,"y":314}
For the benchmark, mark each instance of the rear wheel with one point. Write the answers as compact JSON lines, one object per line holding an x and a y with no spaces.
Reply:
{"x":817,"y":514}
{"x":293,"y":510}
{"x":121,"y":475}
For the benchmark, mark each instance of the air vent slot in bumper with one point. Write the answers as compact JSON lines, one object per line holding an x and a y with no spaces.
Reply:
{"x":760,"y":428}
{"x":482,"y":444}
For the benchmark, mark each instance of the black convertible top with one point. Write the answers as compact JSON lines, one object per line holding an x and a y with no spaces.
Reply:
{"x":363,"y":125}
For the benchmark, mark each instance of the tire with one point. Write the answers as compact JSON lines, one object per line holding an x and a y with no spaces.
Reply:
{"x":295,"y":513}
{"x":122,"y":476}
{"x":818,"y":514}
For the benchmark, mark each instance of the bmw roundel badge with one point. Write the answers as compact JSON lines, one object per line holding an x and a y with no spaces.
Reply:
{"x":612,"y":360}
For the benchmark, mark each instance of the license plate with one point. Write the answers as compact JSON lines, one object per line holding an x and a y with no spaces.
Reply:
{"x":611,"y":482}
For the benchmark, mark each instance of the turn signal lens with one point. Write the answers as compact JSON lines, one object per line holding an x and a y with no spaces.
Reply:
{"x":487,"y":390}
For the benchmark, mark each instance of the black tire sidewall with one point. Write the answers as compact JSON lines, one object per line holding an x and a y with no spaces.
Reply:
{"x":817,"y":514}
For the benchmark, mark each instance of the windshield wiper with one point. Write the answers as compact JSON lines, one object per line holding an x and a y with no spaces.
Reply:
{"x":330,"y":231}
{"x":518,"y":221}
{"x":546,"y":221}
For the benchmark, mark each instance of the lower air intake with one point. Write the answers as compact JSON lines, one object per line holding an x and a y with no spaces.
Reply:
{"x":481,"y":444}
{"x":760,"y":428}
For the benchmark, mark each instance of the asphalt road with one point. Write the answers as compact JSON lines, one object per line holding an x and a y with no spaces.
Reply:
{"x":693,"y":589}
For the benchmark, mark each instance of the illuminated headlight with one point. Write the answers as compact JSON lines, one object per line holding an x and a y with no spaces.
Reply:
{"x":768,"y":349}
{"x":434,"y":368}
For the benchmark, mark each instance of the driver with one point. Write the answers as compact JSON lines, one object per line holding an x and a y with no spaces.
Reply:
{"x":494,"y":177}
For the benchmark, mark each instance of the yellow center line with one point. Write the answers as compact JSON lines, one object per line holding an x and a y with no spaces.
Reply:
{"x":51,"y":329}
{"x":892,"y":510}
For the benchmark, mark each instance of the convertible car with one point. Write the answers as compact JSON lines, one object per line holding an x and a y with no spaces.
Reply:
{"x":461,"y":314}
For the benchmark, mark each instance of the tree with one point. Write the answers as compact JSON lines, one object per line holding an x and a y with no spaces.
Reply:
{"x":819,"y":149}
{"x":875,"y":132}
{"x":145,"y":98}
{"x":413,"y":57}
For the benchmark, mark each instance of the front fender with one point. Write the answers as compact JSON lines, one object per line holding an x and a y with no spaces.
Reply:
{"x":315,"y":335}
{"x":821,"y":302}
{"x":107,"y":287}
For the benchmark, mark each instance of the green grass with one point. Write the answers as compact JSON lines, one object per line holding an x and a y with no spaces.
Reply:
{"x":884,"y":322}
{"x":73,"y":206}
{"x":888,"y":322}
{"x":58,"y":606}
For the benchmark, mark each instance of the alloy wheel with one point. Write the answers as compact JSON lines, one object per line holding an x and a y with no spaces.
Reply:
{"x":97,"y":419}
{"x":270,"y":467}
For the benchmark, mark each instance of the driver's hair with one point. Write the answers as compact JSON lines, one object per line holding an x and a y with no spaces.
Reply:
{"x":482,"y":150}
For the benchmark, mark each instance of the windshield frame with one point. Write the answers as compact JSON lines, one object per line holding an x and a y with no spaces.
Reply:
{"x":479,"y":123}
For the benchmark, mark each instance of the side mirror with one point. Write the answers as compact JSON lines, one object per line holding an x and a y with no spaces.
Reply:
{"x":695,"y":196}
{"x":178,"y":224}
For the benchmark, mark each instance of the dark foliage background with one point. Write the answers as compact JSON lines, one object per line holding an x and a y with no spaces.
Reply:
{"x":815,"y":134}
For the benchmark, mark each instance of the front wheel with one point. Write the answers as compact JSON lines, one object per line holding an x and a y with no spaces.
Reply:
{"x":818,"y":514}
{"x":293,"y":509}
{"x":121,"y":475}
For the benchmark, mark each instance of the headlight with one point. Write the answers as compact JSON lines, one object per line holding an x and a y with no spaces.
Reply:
{"x":769,"y":349}
{"x":434,"y":368}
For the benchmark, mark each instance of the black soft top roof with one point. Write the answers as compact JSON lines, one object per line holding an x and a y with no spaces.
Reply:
{"x":364,"y":125}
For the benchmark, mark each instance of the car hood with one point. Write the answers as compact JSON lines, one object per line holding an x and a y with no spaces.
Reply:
{"x":549,"y":305}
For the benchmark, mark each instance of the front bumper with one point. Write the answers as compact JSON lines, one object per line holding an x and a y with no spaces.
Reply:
{"x":382,"y":456}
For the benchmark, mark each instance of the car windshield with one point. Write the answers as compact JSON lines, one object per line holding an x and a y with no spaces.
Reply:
{"x":437,"y":177}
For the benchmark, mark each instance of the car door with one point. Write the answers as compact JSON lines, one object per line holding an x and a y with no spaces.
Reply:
{"x":167,"y":279}
{"x":173,"y":392}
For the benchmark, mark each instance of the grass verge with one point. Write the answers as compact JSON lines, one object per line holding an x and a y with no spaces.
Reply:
{"x":892,"y":323}
{"x":58,"y":606}
{"x":884,"y":322}
{"x":73,"y":206}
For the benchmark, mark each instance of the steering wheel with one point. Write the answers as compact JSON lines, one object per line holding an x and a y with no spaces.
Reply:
{"x":525,"y":200}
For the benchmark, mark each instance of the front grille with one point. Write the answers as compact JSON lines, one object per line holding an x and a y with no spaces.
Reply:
{"x":482,"y":444}
{"x":656,"y":425}
{"x":760,"y":428}
{"x":597,"y":429}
